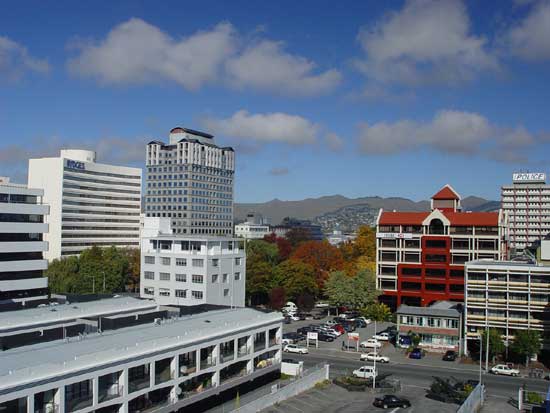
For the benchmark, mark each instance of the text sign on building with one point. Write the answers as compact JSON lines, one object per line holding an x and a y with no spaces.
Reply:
{"x":312,"y":336}
{"x":75,"y":164}
{"x":394,"y":235}
{"x":529,"y":177}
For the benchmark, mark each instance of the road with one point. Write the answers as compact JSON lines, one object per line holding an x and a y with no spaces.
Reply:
{"x":422,"y":376}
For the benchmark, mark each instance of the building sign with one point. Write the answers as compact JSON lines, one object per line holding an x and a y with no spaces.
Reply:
{"x":394,"y":235}
{"x":75,"y":164}
{"x":529,"y":177}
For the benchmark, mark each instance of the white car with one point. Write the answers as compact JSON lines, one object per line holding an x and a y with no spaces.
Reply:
{"x":365,"y":372}
{"x":382,"y":337}
{"x":293,"y":348}
{"x":294,"y":317}
{"x":504,"y":370}
{"x":331,"y":323}
{"x":371,"y":342}
{"x":374,"y":356}
{"x":286,"y":341}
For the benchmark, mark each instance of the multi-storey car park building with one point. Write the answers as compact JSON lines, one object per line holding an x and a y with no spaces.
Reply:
{"x":178,"y":269}
{"x":22,"y":244}
{"x":421,"y":255}
{"x":527,"y":203}
{"x":507,"y":296}
{"x":161,"y":365}
{"x":190,"y":181}
{"x":90,"y":203}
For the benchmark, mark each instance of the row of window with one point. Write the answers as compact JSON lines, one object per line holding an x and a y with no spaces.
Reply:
{"x":435,"y":322}
{"x":195,"y":278}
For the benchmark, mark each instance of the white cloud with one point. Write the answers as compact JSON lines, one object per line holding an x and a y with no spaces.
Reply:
{"x":428,"y":41}
{"x":15,"y":61}
{"x":264,"y":127}
{"x":138,"y":52}
{"x":267,"y":66}
{"x":530,"y":38}
{"x":450,"y":131}
{"x":334,"y":142}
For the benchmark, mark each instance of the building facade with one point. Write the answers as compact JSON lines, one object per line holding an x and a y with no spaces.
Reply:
{"x":421,"y":255}
{"x":161,"y":366}
{"x":439,"y":325}
{"x":249,"y":230}
{"x":22,"y":244}
{"x":190,"y":270}
{"x":527,"y":203}
{"x":190,"y":180}
{"x":91,"y":204}
{"x":507,"y":296}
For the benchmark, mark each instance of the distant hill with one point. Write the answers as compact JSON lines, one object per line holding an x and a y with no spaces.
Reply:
{"x":328,"y":210}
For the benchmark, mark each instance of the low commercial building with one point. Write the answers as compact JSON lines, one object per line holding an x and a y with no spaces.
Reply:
{"x":161,"y":366}
{"x":507,"y":296}
{"x":22,"y":245}
{"x":439,"y":325}
{"x":249,"y":230}
{"x":178,"y":269}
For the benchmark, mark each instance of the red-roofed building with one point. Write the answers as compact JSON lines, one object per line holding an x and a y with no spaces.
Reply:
{"x":421,"y":255}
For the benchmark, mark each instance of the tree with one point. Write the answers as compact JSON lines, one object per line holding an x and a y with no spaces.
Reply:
{"x":261,"y":250}
{"x":61,"y":275}
{"x":258,"y":279}
{"x":284,"y":246}
{"x":363,"y":287}
{"x":338,"y":289}
{"x":297,"y":235}
{"x":496,"y":345}
{"x":295,"y":277}
{"x":354,"y":292}
{"x":360,"y":254}
{"x":133,"y":256}
{"x":277,"y":298}
{"x":526,"y":343}
{"x":322,"y":256}
{"x":305,"y":302}
{"x":377,"y":312}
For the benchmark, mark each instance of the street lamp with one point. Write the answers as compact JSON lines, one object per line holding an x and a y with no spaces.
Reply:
{"x":374,"y":366}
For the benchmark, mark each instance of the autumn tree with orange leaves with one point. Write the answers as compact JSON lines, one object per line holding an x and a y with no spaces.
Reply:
{"x":323,"y":257}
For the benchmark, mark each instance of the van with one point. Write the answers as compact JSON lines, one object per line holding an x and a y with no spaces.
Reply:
{"x":365,"y":372}
{"x":290,"y":307}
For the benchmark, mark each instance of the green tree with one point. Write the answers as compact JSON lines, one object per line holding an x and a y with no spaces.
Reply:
{"x":62,"y":274}
{"x":377,"y":312}
{"x":338,"y":289}
{"x":258,"y":281}
{"x":354,"y":292}
{"x":526,"y":343}
{"x":305,"y":302}
{"x":295,"y":277}
{"x":277,"y":298}
{"x":133,"y":256}
{"x":496,"y":344}
{"x":260,"y":250}
{"x":363,"y":287}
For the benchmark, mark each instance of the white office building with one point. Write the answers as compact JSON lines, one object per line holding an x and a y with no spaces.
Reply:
{"x":527,"y":203}
{"x":249,"y":230}
{"x":90,"y":203}
{"x":22,"y":230}
{"x":161,"y":366}
{"x":190,"y":180}
{"x":179,"y":269}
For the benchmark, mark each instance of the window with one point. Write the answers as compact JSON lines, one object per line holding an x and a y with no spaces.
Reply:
{"x":197,"y":279}
{"x":214,"y":278}
{"x":197,"y":295}
{"x":181,"y":293}
{"x":198,"y":262}
{"x":436,"y":243}
{"x":181,"y":262}
{"x":237,"y":261}
{"x":237,"y":276}
{"x":181,"y":278}
{"x":215,"y":262}
{"x":164,"y":276}
{"x":149,"y":260}
{"x":164,"y":292}
{"x":148,"y":290}
{"x":226,"y":292}
{"x":224,"y":278}
{"x":78,"y":395}
{"x":149,"y":275}
{"x":434,"y":322}
{"x":165,"y":261}
{"x":452,"y":323}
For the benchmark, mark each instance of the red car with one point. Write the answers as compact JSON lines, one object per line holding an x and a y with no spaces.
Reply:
{"x":339,"y":328}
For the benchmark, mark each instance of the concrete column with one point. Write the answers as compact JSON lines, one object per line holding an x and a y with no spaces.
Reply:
{"x":60,"y":399}
{"x":175,"y":367}
{"x":198,"y":359}
{"x":151,"y":374}
{"x":30,"y":403}
{"x":95,"y":390}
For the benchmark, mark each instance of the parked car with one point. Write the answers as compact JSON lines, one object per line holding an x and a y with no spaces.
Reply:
{"x":325,"y":337}
{"x":450,"y":355}
{"x":349,"y":345}
{"x":504,"y":370}
{"x":331,"y":331}
{"x":374,"y":356}
{"x":339,"y":328}
{"x":294,"y":317}
{"x":322,"y":305}
{"x":404,"y":341}
{"x":294,"y":348}
{"x":365,"y":372}
{"x":366,"y":320}
{"x":317,"y":316}
{"x":416,"y":353}
{"x":390,"y":400}
{"x":370,"y":343}
{"x":331,"y":323}
{"x":290,"y":306}
{"x":287,"y":320}
{"x":359,"y":323}
{"x":382,"y":336}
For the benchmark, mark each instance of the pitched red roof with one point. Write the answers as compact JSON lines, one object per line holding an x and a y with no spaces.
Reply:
{"x":446,"y":193}
{"x":475,"y":219}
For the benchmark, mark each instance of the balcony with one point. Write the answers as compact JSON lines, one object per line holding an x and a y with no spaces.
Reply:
{"x":188,"y":363}
{"x":207,"y":357}
{"x":196,"y":385}
{"x":109,"y":387}
{"x":139,"y":378}
{"x":163,"y":371}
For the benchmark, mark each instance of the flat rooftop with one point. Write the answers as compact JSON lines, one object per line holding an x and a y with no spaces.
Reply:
{"x":44,"y":361}
{"x":435,"y":310}
{"x":11,"y":321}
{"x":493,"y":263}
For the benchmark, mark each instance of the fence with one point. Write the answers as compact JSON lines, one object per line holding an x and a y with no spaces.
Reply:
{"x":474,"y":401}
{"x":290,"y":390}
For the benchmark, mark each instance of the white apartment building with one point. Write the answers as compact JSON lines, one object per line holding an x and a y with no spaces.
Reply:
{"x":158,"y":367}
{"x":507,"y":296}
{"x":190,"y":180}
{"x":249,"y":230}
{"x":90,"y":203}
{"x":190,"y":270}
{"x":22,"y":230}
{"x":527,"y":203}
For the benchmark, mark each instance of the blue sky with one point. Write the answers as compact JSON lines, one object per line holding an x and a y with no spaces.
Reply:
{"x":389,"y":98}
